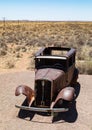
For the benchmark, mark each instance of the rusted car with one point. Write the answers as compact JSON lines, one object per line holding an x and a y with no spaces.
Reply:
{"x":55,"y":80}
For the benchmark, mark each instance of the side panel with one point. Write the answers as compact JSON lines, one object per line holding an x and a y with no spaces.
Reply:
{"x":59,"y":84}
{"x":69,"y":74}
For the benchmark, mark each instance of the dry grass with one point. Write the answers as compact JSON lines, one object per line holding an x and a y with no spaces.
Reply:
{"x":20,"y":40}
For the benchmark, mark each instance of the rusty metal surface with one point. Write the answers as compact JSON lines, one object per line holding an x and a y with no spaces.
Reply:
{"x":47,"y":51}
{"x":36,"y":109}
{"x":66,"y":94}
{"x":27,"y":91}
{"x":71,"y":52}
{"x":40,"y":52}
{"x":48,"y":74}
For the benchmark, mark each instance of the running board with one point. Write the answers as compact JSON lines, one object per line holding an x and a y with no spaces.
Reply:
{"x":43,"y":109}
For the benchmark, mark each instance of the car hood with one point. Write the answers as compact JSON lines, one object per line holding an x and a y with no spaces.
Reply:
{"x":48,"y":74}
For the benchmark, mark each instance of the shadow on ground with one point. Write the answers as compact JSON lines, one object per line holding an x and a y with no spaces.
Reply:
{"x":25,"y":113}
{"x":69,"y":116}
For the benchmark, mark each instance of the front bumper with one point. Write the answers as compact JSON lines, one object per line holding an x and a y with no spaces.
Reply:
{"x":36,"y":109}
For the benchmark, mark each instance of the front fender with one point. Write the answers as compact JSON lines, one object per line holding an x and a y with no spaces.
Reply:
{"x":65,"y":94}
{"x":27,"y":91}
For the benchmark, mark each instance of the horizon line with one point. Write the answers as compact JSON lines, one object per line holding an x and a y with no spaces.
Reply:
{"x":45,"y":20}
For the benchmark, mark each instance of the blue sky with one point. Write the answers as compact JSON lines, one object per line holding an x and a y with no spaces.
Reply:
{"x":56,"y":10}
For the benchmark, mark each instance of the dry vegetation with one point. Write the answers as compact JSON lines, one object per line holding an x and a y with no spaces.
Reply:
{"x":19,"y":40}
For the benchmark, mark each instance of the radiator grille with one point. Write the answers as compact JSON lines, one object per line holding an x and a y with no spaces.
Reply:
{"x":43,"y":93}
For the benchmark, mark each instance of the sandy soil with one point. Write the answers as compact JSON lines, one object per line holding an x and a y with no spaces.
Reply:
{"x":78,"y":118}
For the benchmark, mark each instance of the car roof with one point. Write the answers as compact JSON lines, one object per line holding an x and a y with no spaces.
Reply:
{"x":45,"y":53}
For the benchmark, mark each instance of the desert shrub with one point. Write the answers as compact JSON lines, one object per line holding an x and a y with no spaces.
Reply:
{"x":89,"y":43}
{"x":3,"y":49}
{"x":3,"y":46}
{"x":85,"y":67}
{"x":2,"y":52}
{"x":21,"y":48}
{"x":80,"y":56}
{"x":90,"y":54}
{"x":89,"y":68}
{"x":84,"y":53}
{"x":18,"y":55}
{"x":18,"y":48}
{"x":31,"y":65}
{"x":9,"y":64}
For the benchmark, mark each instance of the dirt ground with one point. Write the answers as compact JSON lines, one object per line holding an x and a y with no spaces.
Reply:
{"x":79,"y":116}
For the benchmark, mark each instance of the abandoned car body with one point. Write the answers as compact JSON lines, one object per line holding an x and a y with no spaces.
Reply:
{"x":55,"y":78}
